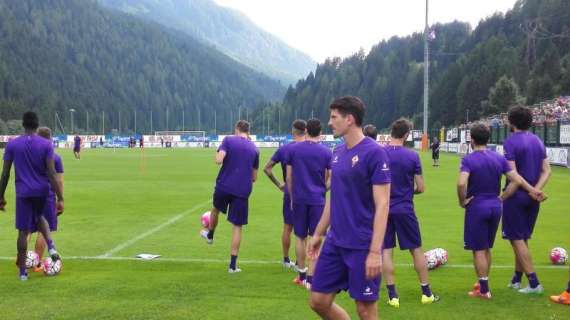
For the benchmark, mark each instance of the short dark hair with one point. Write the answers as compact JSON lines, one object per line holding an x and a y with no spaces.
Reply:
{"x":314,"y":127}
{"x":480,"y":134}
{"x":400,"y":128}
{"x":299,"y":126}
{"x":370,"y":130}
{"x":30,"y":121}
{"x":242,"y":126}
{"x":350,"y":105}
{"x":520,"y":117}
{"x":44,"y":132}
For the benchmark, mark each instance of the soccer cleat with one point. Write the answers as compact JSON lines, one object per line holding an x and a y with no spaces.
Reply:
{"x":289,"y":265}
{"x":528,"y":290}
{"x":394,"y":302}
{"x":429,"y":300}
{"x":299,"y":282}
{"x":204,"y":234}
{"x":514,"y":285}
{"x":563,"y":298}
{"x":478,"y":294}
{"x":54,"y":254}
{"x":236,"y":270}
{"x":38,"y":268}
{"x":308,"y":285}
{"x":477,"y":286}
{"x":24,"y":277}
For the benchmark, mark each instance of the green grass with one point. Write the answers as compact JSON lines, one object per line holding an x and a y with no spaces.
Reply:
{"x":113,"y":197}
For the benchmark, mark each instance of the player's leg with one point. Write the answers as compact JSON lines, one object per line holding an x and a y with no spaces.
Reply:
{"x":221,"y":201}
{"x":286,"y":244}
{"x":476,"y":239}
{"x":43,"y":228}
{"x":520,"y":247}
{"x":481,"y":265}
{"x":315,"y":213}
{"x":237,"y":216}
{"x":300,"y":228}
{"x":388,"y":273}
{"x":323,"y":304}
{"x":362,"y":290}
{"x":39,"y":248}
{"x":234,"y":251}
{"x":367,"y":310}
{"x":22,"y":247}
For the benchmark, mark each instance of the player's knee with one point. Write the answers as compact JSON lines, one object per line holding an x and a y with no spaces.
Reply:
{"x":320,"y":306}
{"x":365,"y":309}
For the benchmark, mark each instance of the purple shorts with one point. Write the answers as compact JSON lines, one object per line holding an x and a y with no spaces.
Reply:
{"x":287,"y":212}
{"x":344,"y":269}
{"x":406,"y":227}
{"x":50,"y":213}
{"x":481,"y":223}
{"x":238,"y":212}
{"x":28,"y":212}
{"x":76,"y":149}
{"x":519,"y":216}
{"x":306,"y":218}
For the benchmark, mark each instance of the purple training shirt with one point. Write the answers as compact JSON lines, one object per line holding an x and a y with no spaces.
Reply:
{"x":354,"y":172}
{"x":310,"y":161}
{"x":485,"y":169}
{"x":242,"y":157}
{"x":404,"y":166}
{"x":29,"y":153}
{"x":528,"y":152}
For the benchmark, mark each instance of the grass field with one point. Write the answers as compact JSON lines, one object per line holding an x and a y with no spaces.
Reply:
{"x":118,"y":205}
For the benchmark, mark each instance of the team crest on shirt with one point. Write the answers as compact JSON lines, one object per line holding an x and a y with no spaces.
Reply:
{"x":385,"y":167}
{"x":354,"y":160}
{"x":335,"y":160}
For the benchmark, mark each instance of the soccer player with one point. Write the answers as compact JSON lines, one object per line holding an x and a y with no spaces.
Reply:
{"x":370,"y":131}
{"x":308,"y":174}
{"x":239,"y":158}
{"x":564,"y":297}
{"x":407,"y":180}
{"x":141,"y":142}
{"x":478,"y":191}
{"x":298,"y":132}
{"x":77,"y":147}
{"x":527,"y":155}
{"x":32,"y":157}
{"x":357,"y":211}
{"x":435,"y":152}
{"x":50,"y":212}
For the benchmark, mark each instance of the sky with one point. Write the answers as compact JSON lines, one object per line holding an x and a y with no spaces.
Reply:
{"x":327,"y":28}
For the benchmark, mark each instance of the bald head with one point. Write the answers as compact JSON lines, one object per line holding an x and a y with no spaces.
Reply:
{"x":44,"y":132}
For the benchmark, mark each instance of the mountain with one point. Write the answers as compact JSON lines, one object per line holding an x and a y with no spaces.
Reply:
{"x":116,"y":70}
{"x":228,"y":30}
{"x":524,"y":53}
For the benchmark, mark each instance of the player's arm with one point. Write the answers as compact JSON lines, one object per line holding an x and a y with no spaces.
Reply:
{"x":254,"y":175}
{"x":381,"y":195}
{"x":328,"y":179}
{"x":52,"y":177}
{"x":4,"y":178}
{"x":462,"y":189}
{"x":220,"y":156}
{"x":419,"y":183}
{"x":269,"y":173}
{"x":519,"y":181}
{"x":544,"y":174}
{"x":289,"y":181}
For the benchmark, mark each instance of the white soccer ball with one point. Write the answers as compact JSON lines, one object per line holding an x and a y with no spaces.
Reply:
{"x":431,"y":260}
{"x":558,"y":256}
{"x":32,"y":259}
{"x":50,"y":267}
{"x":441,"y":255}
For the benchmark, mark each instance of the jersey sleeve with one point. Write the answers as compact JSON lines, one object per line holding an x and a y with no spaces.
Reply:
{"x":224,"y":146}
{"x":8,"y":153}
{"x":465,"y":167}
{"x":256,"y":160}
{"x":58,"y":165}
{"x":417,"y":165}
{"x":329,"y":158}
{"x":278,"y":155}
{"x":379,"y":167}
{"x":505,"y":166}
{"x":509,"y":150}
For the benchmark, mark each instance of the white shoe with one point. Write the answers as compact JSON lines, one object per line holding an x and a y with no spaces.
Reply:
{"x":289,"y":265}
{"x":204,"y":234}
{"x":24,"y":277}
{"x":515,"y":286}
{"x":528,"y":290}
{"x":54,"y":254}
{"x":236,"y":270}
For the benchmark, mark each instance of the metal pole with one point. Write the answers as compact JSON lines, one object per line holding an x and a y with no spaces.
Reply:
{"x":183,"y":119}
{"x":103,"y":124}
{"x":151,"y":127}
{"x":167,"y":119}
{"x":87,"y":124}
{"x":279,"y":120}
{"x":199,"y":119}
{"x":119,"y":121}
{"x":215,"y":123}
{"x":135,"y":121}
{"x":426,"y":71}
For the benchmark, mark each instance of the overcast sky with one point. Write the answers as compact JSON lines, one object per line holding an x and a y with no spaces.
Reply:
{"x":324,"y":28}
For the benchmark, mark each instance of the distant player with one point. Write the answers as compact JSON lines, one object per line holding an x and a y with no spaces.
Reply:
{"x":370,"y":131}
{"x":478,"y":191}
{"x":50,"y":210}
{"x":308,"y":174}
{"x":141,"y":142}
{"x":77,"y":147}
{"x":32,"y":157}
{"x":239,"y":158}
{"x":298,"y":131}
{"x":407,"y":180}
{"x":435,"y":151}
{"x":527,"y":155}
{"x":564,"y":297}
{"x":357,"y":212}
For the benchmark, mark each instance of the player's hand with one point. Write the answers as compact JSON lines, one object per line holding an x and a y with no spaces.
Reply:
{"x":282,"y":187}
{"x":373,"y":265}
{"x":314,"y":247}
{"x":538,"y":195}
{"x":59,"y":207}
{"x":466,"y":202}
{"x":2,"y":204}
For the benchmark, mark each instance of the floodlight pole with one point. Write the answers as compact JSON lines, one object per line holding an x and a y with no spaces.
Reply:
{"x":426,"y":80}
{"x":71,"y":111}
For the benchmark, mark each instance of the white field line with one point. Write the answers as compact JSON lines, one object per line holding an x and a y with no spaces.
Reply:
{"x":141,"y":236}
{"x":266,"y":262}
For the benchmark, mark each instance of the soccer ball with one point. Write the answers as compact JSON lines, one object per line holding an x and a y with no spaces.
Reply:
{"x":205,"y":220}
{"x":431,"y":260}
{"x":50,"y":267}
{"x":441,"y":256}
{"x":558,"y":256}
{"x":32,"y":259}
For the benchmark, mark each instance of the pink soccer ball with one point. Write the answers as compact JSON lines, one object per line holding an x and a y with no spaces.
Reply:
{"x":50,"y":267}
{"x":205,"y":219}
{"x":558,"y":256}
